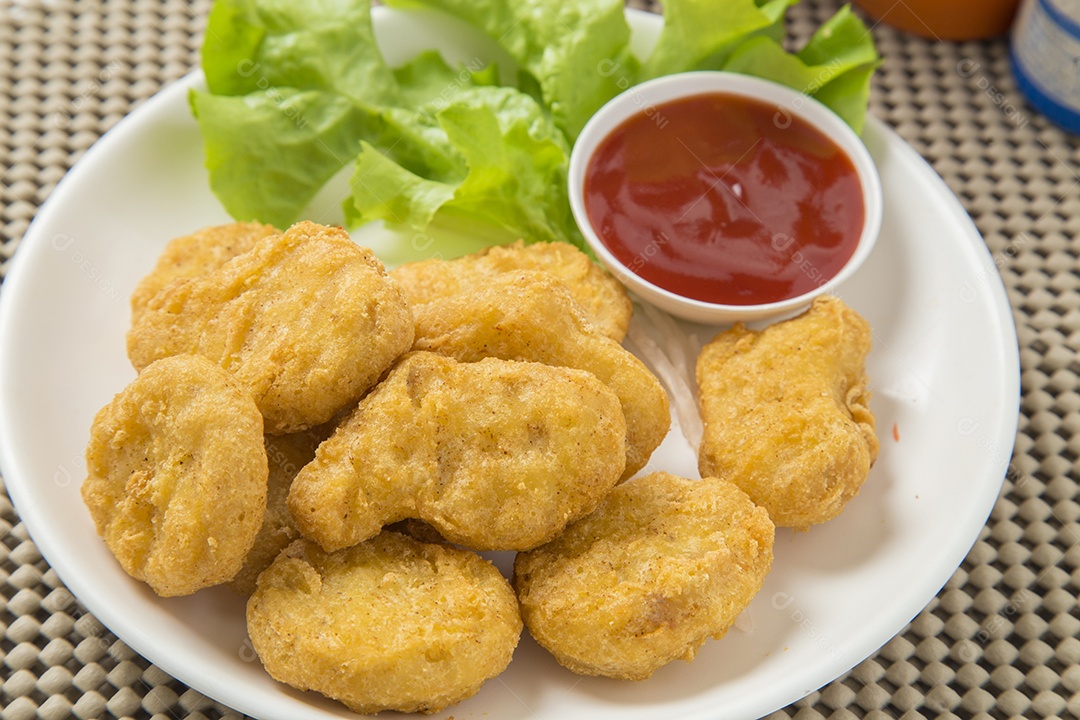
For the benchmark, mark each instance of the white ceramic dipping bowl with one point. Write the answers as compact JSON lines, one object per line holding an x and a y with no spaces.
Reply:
{"x":645,"y":98}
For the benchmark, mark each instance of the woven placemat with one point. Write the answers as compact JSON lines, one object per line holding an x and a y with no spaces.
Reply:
{"x":999,"y":640}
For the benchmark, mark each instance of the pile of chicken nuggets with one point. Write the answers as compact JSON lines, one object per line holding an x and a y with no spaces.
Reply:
{"x":337,"y":443}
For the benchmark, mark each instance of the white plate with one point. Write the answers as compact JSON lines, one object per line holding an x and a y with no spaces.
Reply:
{"x":946,"y":382}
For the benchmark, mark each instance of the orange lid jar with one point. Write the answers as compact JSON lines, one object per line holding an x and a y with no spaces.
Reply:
{"x":944,"y":19}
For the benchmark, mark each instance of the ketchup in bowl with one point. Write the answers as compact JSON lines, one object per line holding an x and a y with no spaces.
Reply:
{"x":723,"y":198}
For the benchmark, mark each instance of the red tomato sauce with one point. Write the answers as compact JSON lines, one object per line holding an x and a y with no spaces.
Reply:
{"x":725,"y":199}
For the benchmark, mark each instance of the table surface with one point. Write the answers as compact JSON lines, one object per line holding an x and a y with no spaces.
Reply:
{"x":998,"y":641}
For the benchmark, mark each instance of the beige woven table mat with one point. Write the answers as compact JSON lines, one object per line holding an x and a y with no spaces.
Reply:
{"x":999,"y":641}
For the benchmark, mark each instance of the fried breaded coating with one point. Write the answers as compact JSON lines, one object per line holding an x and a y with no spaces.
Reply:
{"x":196,"y":254}
{"x":601,"y":297}
{"x":786,"y":415}
{"x":285,"y":455}
{"x":526,"y":315}
{"x":663,"y":564}
{"x":495,"y":455}
{"x":306,"y":320}
{"x":390,"y":624}
{"x":417,"y":530}
{"x":177,"y":475}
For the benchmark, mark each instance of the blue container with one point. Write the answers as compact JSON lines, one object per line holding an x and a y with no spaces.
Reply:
{"x":1045,"y":58}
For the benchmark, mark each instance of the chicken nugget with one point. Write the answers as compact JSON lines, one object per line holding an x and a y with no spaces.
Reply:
{"x":390,"y":624}
{"x":663,"y":564}
{"x":495,"y":455}
{"x":196,"y":254}
{"x":306,"y":320}
{"x":786,"y":412}
{"x":177,"y":474}
{"x":526,"y":315}
{"x":285,"y":455}
{"x":601,"y":297}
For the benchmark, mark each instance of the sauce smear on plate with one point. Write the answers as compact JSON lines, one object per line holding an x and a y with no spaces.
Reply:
{"x":725,"y":199}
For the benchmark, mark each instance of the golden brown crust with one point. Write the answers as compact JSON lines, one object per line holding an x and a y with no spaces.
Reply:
{"x":306,"y":320}
{"x":495,"y":455}
{"x":786,"y":412}
{"x":390,"y":624}
{"x":190,"y":256}
{"x":177,"y":475}
{"x":663,"y":564}
{"x":525,"y":315}
{"x":285,"y":455}
{"x":600,"y":296}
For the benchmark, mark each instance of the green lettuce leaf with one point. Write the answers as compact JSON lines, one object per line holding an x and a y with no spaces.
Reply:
{"x":843,"y":39}
{"x":268,"y":153}
{"x":514,"y":163}
{"x":384,"y":190}
{"x":834,"y":67}
{"x":699,"y":34}
{"x":576,"y":52}
{"x":294,"y":86}
{"x":327,"y":45}
{"x":428,"y":79}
